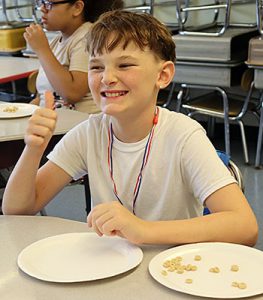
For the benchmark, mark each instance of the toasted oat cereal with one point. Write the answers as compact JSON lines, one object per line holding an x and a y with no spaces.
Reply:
{"x":235,"y":284}
{"x":10,"y":109}
{"x":214,"y":270}
{"x":180,"y":270}
{"x":242,"y":285}
{"x":164,"y":273}
{"x":188,"y":280}
{"x":197,"y":257}
{"x":234,"y":268}
{"x":167,"y":264}
{"x":193,"y":268}
{"x":171,"y":269}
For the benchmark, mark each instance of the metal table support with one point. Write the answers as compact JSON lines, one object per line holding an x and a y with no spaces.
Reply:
{"x":260,"y":133}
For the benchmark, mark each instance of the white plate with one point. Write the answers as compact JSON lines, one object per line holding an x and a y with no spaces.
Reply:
{"x":76,"y":257}
{"x":205,"y":283}
{"x":23,"y":110}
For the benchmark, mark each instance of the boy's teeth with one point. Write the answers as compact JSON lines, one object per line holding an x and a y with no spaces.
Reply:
{"x":114,"y":94}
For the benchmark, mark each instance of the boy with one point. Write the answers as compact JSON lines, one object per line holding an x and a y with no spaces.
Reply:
{"x":150,"y":170}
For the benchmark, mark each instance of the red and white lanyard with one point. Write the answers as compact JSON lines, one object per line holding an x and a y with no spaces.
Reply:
{"x":144,"y":161}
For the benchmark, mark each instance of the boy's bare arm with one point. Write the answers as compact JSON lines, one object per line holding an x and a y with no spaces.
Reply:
{"x":27,"y":191}
{"x":232,"y":221}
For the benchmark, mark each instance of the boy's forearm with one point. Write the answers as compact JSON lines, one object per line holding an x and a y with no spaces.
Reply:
{"x":218,"y":227}
{"x":19,"y":196}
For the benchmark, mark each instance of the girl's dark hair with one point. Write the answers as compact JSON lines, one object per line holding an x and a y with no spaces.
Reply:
{"x":121,"y":27}
{"x":94,"y":8}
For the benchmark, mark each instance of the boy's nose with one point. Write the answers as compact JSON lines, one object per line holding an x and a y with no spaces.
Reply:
{"x":108,"y":77}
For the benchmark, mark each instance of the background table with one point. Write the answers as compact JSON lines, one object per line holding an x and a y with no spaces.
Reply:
{"x":14,"y":68}
{"x":12,"y":133}
{"x":17,"y":232}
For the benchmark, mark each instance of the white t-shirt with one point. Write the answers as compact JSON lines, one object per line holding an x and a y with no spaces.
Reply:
{"x":72,"y":54}
{"x":183,"y":168}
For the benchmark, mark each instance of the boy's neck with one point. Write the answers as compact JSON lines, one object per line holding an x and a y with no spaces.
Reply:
{"x":133,"y":131}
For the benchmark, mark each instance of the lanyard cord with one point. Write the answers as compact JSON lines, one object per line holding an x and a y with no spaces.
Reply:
{"x":144,"y":161}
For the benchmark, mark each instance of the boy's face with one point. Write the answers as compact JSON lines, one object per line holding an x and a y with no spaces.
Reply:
{"x":124,"y":82}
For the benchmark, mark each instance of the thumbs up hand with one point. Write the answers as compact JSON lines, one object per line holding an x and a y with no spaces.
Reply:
{"x":42,"y":124}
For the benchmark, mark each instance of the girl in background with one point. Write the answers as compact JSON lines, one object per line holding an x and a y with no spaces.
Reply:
{"x":64,"y":62}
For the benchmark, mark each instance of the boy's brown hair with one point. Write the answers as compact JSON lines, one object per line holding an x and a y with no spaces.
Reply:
{"x":142,"y":29}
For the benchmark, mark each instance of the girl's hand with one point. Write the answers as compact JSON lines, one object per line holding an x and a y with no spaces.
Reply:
{"x":114,"y":219}
{"x":36,"y":38}
{"x":42,"y":124}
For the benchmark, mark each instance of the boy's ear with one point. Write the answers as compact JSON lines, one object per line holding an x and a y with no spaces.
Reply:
{"x":166,"y":74}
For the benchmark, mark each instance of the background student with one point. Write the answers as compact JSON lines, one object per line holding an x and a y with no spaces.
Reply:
{"x":64,"y":62}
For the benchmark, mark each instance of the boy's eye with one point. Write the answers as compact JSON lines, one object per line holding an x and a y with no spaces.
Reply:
{"x":126,"y":65}
{"x":95,"y":67}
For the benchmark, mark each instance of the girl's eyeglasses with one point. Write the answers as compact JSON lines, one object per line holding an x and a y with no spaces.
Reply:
{"x":48,"y":4}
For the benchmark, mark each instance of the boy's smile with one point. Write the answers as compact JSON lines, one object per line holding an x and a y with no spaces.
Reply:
{"x":113,"y":94}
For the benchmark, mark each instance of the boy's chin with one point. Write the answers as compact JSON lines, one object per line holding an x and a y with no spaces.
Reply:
{"x":112,"y":109}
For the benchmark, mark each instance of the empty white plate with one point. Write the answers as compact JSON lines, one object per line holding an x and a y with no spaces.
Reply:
{"x":76,"y":257}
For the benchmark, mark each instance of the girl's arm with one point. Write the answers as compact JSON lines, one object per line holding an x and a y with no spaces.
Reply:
{"x":70,"y":85}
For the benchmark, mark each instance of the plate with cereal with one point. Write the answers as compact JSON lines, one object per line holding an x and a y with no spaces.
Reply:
{"x":78,"y":257}
{"x":10,"y":110}
{"x":215,"y":270}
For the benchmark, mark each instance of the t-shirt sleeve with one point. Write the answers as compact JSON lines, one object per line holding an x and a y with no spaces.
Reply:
{"x":202,"y":168}
{"x":70,"y":152}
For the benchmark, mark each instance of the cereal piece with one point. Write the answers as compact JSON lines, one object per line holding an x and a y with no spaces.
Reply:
{"x":242,"y":285}
{"x":188,"y":280}
{"x":164,"y":273}
{"x":193,"y":268}
{"x":234,"y":268}
{"x":197,"y":257}
{"x":235,"y":284}
{"x":188,"y":267}
{"x":178,"y":258}
{"x":171,"y":269}
{"x":180,"y":270}
{"x":214,"y":270}
{"x":167,"y":264}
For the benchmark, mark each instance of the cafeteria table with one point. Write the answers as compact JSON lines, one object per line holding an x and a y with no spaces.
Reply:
{"x":14,"y":68}
{"x":17,"y":232}
{"x":12,"y":134}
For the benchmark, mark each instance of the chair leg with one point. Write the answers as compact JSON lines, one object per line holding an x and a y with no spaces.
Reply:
{"x":170,"y":96}
{"x":211,"y":127}
{"x":87,"y":194}
{"x":244,"y":141}
{"x":43,"y":212}
{"x":226,"y":119}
